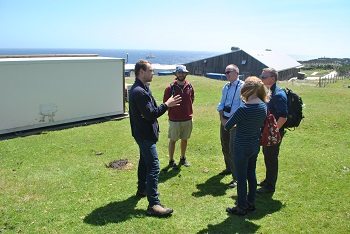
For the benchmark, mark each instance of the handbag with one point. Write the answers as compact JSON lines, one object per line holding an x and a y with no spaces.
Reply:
{"x":270,"y":134}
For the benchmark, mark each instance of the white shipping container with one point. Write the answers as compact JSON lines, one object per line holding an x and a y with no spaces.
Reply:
{"x":39,"y":92}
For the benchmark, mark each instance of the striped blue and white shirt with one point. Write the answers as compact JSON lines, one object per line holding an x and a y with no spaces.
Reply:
{"x":249,"y":119}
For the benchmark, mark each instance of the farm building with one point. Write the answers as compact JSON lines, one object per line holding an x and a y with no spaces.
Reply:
{"x":249,"y":62}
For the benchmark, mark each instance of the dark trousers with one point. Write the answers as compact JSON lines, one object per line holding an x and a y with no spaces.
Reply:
{"x":148,"y":171}
{"x":245,"y":163}
{"x":226,"y":137}
{"x":271,"y":162}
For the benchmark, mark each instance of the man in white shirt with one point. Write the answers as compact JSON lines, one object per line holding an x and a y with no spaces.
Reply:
{"x":230,"y":101}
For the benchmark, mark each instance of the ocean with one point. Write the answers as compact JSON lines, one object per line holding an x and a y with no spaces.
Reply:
{"x":130,"y":56}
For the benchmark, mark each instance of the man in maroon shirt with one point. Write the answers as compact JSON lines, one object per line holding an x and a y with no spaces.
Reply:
{"x":180,"y":117}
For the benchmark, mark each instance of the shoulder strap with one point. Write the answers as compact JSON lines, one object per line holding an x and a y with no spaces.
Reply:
{"x":172,"y":89}
{"x":191,"y":91}
{"x":191,"y":88}
{"x":172,"y":85}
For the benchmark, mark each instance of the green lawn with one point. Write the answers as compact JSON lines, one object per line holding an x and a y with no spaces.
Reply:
{"x":315,"y":72}
{"x":55,"y":182}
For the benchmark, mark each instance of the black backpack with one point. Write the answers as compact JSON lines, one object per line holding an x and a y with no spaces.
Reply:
{"x":295,"y":109}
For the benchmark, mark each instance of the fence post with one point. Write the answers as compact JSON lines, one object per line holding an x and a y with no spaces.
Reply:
{"x":319,"y":81}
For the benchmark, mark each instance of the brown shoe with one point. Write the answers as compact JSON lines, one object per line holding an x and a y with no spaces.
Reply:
{"x":159,"y":210}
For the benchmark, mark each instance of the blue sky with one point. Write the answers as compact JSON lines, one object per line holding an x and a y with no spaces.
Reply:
{"x":297,"y":27}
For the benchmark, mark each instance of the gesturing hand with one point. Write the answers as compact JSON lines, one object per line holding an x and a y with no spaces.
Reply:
{"x":174,"y":101}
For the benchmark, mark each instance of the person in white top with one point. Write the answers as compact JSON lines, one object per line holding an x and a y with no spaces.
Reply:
{"x":229,"y":103}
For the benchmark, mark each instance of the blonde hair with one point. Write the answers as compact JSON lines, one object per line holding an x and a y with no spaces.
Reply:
{"x":254,"y":86}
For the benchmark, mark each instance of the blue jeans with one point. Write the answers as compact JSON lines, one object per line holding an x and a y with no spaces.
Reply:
{"x":148,"y":170}
{"x":245,"y":164}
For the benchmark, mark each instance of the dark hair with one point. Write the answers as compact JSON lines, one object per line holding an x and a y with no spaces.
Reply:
{"x":141,"y":64}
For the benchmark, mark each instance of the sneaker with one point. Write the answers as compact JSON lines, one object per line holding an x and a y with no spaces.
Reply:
{"x":264,"y":190}
{"x":158,"y":210}
{"x":184,"y":162}
{"x":173,"y":165}
{"x":232,"y":184}
{"x":236,"y":211}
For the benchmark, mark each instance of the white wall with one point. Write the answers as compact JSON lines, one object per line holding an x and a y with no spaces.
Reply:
{"x":39,"y":92}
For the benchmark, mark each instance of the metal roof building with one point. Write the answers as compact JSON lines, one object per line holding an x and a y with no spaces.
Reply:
{"x":249,"y":62}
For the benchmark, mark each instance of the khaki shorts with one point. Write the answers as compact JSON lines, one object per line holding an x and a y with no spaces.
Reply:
{"x":180,"y":130}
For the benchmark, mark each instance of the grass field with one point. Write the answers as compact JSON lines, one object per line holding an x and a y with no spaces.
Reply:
{"x":55,"y":182}
{"x":318,"y":72}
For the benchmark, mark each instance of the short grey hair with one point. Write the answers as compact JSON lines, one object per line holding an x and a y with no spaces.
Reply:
{"x":234,"y":67}
{"x":272,"y":71}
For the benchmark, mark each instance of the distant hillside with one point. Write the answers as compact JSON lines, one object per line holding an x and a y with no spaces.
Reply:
{"x":326,"y":63}
{"x":324,"y":60}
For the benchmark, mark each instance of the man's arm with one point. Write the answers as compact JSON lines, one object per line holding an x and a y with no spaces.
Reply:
{"x":280,"y":122}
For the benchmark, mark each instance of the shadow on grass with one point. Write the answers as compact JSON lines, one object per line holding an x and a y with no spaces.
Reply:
{"x":213,"y":186}
{"x":232,"y":225}
{"x":115,"y":212}
{"x":265,"y":205}
{"x":167,"y":173}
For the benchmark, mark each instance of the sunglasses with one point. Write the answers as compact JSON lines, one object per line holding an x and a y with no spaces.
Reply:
{"x":228,"y":72}
{"x":264,"y":77}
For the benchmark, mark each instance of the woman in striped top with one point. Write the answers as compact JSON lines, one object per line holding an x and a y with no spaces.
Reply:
{"x":248,"y":120}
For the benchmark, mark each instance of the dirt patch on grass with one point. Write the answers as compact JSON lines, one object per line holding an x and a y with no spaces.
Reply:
{"x":120,"y":164}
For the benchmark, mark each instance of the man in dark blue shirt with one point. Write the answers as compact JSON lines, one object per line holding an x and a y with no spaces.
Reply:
{"x":143,"y":112}
{"x":278,"y":107}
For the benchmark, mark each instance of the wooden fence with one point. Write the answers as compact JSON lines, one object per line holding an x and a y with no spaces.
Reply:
{"x":322,"y":81}
{"x":318,"y":81}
